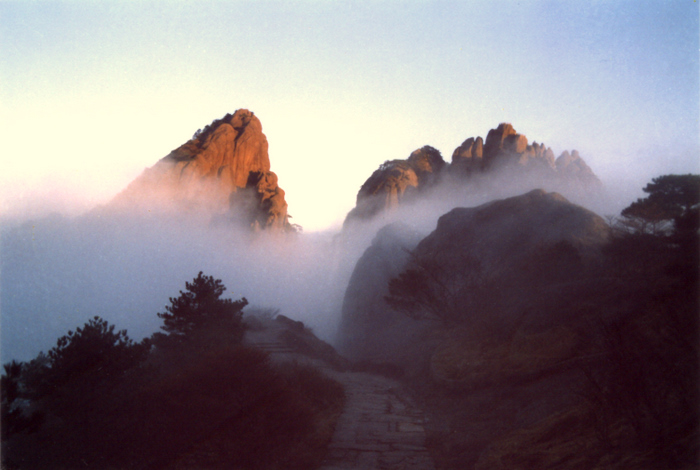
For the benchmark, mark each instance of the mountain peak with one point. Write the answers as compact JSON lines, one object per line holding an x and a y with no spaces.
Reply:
{"x":504,"y":150}
{"x":224,"y":169}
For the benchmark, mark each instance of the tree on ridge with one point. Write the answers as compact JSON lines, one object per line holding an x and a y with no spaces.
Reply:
{"x":201,"y":305}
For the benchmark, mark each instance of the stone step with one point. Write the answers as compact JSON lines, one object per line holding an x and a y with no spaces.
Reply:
{"x":278,"y":348}
{"x":378,"y":429}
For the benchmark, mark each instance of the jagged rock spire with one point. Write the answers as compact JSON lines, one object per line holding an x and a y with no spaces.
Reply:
{"x":224,"y":169}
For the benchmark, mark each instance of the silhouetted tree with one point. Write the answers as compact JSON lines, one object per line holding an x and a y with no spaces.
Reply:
{"x":659,"y":234}
{"x":201,"y":305}
{"x":94,"y":353}
{"x":82,"y":363}
{"x":10,"y":381}
{"x":671,"y":207}
{"x":15,"y":418}
{"x":645,"y":395}
{"x":441,"y":288}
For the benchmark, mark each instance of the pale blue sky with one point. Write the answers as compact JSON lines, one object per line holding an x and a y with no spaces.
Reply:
{"x":91,"y":93}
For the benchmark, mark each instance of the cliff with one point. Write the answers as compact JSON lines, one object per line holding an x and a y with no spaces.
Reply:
{"x":224,"y":170}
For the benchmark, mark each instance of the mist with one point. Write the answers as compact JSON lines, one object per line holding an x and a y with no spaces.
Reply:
{"x":123,"y":262}
{"x":58,"y":272}
{"x":421,"y":210}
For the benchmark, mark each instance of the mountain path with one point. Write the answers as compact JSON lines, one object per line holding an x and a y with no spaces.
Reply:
{"x":380,"y":427}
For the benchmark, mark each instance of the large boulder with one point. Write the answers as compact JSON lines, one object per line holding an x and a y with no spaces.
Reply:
{"x":517,"y":274}
{"x":224,"y":171}
{"x":495,"y":142}
{"x":522,"y":246}
{"x":507,"y":230}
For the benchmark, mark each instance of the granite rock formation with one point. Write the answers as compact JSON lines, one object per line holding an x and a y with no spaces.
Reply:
{"x":397,"y":182}
{"x":508,"y":229}
{"x":509,"y":358}
{"x":469,"y":157}
{"x":363,"y":305}
{"x":521,"y":244}
{"x":224,"y":170}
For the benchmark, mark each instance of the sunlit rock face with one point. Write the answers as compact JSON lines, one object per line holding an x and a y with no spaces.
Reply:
{"x":224,"y":171}
{"x":506,"y":148}
{"x":469,"y":157}
{"x":396,"y":181}
{"x":505,"y":152}
{"x":496,"y":142}
{"x":523,"y":246}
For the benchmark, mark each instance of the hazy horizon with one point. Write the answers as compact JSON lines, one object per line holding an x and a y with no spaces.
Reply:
{"x":94,"y":93}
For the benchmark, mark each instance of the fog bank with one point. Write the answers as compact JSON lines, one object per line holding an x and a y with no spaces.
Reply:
{"x":57,"y":272}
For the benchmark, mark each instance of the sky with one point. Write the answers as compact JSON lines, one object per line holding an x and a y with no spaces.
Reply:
{"x":92,"y":93}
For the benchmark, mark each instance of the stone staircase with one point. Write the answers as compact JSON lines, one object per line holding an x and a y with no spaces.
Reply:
{"x":274,"y":347}
{"x":379,"y":429}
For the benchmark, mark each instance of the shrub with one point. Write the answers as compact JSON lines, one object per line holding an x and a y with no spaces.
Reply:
{"x":94,"y":353}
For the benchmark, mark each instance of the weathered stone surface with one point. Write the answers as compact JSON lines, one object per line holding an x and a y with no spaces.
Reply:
{"x":505,"y":151}
{"x":507,"y":148}
{"x":516,"y":143}
{"x":426,"y":161}
{"x":504,"y":361}
{"x":541,"y":154}
{"x":270,"y":209}
{"x":571,"y":166}
{"x":396,"y":181}
{"x":367,"y":324}
{"x":223,"y":170}
{"x":495,"y":142}
{"x":228,"y":149}
{"x":380,"y":427}
{"x":468,"y":157}
{"x":517,"y":242}
{"x":512,"y":228}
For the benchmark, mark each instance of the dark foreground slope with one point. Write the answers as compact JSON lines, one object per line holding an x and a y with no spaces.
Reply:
{"x":195,"y":398}
{"x":380,"y":425}
{"x":541,"y":338}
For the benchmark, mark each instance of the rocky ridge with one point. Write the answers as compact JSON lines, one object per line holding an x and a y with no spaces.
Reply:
{"x":399,"y":181}
{"x":223,"y":170}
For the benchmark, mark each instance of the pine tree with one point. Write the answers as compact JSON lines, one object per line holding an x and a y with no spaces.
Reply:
{"x":201,"y":305}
